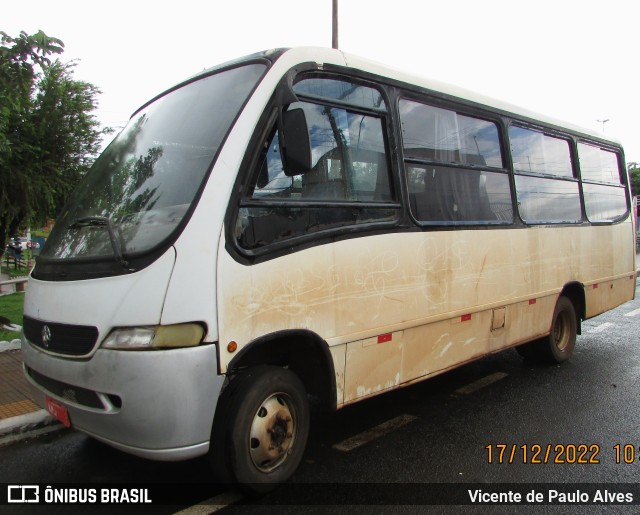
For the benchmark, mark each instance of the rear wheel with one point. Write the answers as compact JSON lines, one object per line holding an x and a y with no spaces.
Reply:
{"x":558,"y":346}
{"x":560,"y":343}
{"x":262,"y":429}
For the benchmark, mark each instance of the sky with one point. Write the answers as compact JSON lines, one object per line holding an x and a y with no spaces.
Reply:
{"x":574,"y":60}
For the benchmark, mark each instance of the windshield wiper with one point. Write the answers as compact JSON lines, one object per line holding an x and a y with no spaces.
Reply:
{"x":103,"y":221}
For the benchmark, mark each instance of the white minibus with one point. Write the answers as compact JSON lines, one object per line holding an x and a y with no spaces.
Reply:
{"x":305,"y":226}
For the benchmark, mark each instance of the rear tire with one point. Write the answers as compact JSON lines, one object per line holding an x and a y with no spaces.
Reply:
{"x":261,"y":431}
{"x":558,"y":346}
{"x":561,"y":341}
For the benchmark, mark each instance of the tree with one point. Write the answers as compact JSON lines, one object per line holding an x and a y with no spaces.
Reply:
{"x":48,"y":136}
{"x":634,"y":175}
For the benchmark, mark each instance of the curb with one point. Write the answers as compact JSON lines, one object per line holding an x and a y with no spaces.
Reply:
{"x":12,"y":345}
{"x":25,"y":422}
{"x":24,"y":427}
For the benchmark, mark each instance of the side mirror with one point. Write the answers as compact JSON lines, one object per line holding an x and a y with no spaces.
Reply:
{"x":295,"y":143}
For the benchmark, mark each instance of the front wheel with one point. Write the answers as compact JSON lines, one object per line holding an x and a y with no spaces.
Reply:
{"x":264,"y":426}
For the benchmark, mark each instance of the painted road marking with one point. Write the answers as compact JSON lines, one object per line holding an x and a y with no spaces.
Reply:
{"x":633,"y":313}
{"x":214,"y":504}
{"x":480,"y":383}
{"x":375,"y":432}
{"x":602,"y":327}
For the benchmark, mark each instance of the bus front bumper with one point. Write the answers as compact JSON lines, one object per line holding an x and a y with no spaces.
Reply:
{"x":153,"y":404}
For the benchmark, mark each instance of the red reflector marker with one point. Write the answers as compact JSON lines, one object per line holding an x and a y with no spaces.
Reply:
{"x":595,"y":286}
{"x":532,"y":301}
{"x":385,"y":338}
{"x":465,"y":318}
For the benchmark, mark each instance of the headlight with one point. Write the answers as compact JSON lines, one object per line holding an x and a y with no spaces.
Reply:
{"x":154,"y":337}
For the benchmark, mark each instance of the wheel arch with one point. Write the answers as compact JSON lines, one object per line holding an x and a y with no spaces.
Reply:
{"x":303,"y":352}
{"x":574,"y":291}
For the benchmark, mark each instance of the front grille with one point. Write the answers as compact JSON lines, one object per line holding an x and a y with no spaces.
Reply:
{"x":67,"y":391}
{"x":73,"y":340}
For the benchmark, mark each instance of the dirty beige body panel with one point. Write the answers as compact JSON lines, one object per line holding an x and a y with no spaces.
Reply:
{"x":396,"y":308}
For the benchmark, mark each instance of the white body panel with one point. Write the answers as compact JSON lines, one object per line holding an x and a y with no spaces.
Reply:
{"x":436,"y":294}
{"x":126,"y":300}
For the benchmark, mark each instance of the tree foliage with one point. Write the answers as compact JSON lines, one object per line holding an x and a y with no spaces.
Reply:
{"x":634,"y":175}
{"x":48,"y":135}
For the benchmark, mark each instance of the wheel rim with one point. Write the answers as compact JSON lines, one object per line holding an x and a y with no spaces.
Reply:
{"x":561,"y":331}
{"x":272,"y":432}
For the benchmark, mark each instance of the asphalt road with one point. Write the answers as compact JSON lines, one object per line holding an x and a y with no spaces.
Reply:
{"x":393,"y":449}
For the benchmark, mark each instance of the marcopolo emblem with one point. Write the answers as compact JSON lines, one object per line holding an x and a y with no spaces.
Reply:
{"x":46,"y":336}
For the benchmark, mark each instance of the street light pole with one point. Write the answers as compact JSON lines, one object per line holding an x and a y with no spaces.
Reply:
{"x":603,"y":122}
{"x":334,"y":25}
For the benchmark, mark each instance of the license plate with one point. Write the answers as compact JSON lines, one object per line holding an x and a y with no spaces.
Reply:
{"x":58,"y":411}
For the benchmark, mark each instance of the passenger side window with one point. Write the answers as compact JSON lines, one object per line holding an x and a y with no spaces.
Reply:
{"x":454,"y":167}
{"x":442,"y":135}
{"x":605,"y":198}
{"x":445,"y":194}
{"x":546,"y":188}
{"x":349,"y":181}
{"x":535,"y":152}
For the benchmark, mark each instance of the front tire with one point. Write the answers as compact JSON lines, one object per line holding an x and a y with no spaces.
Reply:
{"x":263,"y":428}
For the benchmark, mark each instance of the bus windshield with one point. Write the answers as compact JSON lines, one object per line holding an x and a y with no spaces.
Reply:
{"x":141,"y":187}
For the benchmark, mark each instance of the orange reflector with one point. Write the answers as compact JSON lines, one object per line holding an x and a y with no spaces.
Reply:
{"x":385,"y":338}
{"x":232,"y":347}
{"x":465,"y":318}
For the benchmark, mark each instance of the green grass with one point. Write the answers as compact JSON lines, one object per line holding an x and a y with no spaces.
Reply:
{"x":11,"y":307}
{"x":13,"y":272}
